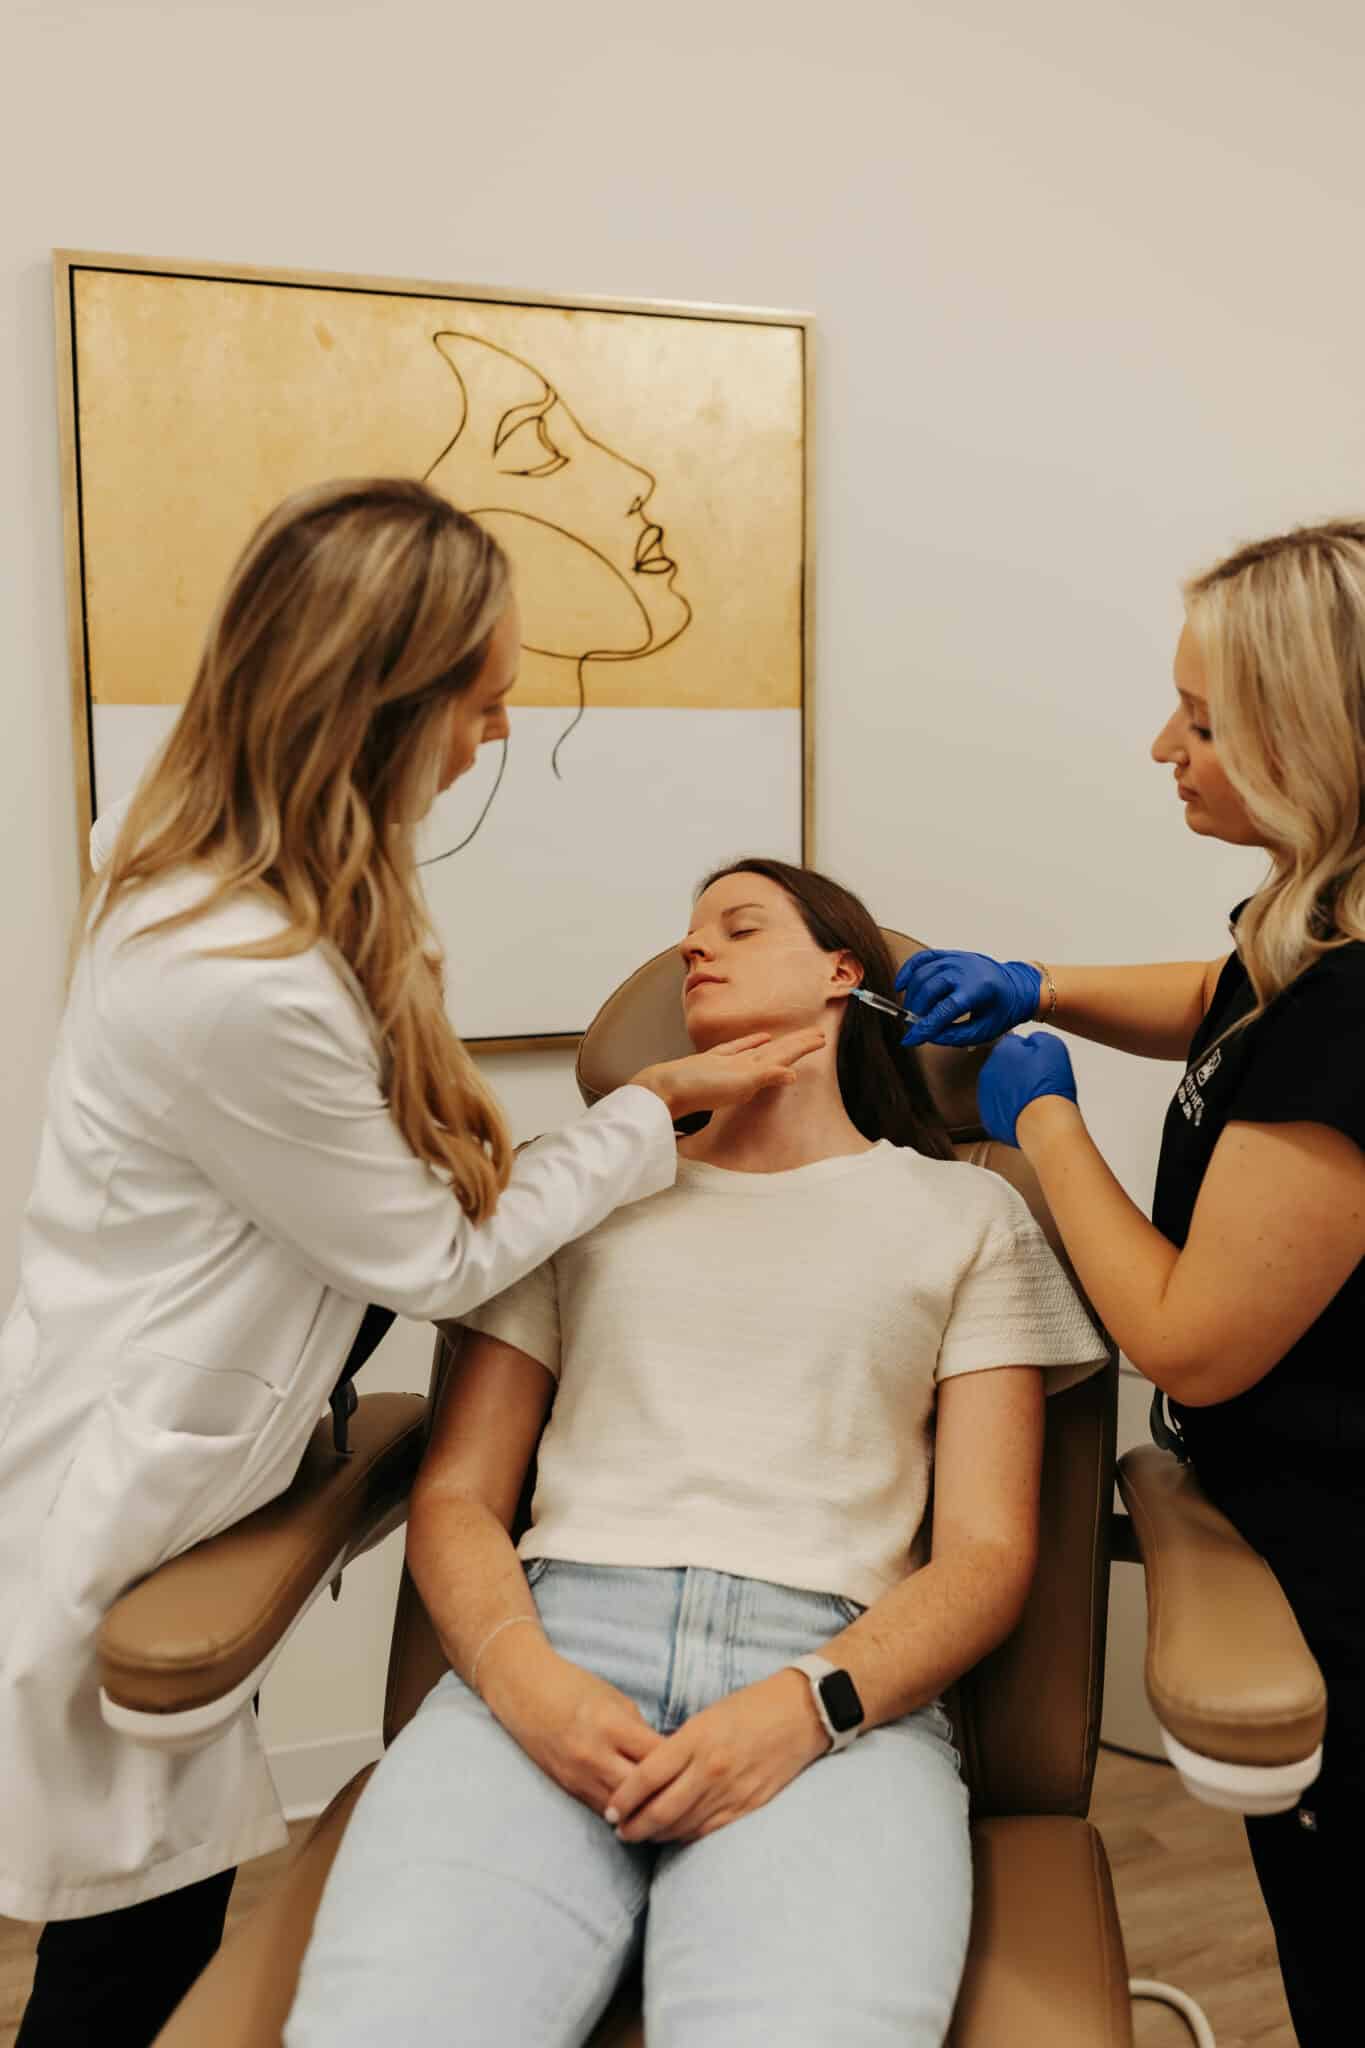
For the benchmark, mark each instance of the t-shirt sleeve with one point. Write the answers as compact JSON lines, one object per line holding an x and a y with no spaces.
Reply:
{"x":1305,"y":1058}
{"x":525,"y":1315}
{"x":1015,"y":1306}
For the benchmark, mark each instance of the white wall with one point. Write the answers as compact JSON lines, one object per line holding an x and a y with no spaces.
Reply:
{"x":1090,"y":304}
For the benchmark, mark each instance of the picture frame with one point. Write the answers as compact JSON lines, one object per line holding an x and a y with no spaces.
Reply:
{"x":647,"y":465}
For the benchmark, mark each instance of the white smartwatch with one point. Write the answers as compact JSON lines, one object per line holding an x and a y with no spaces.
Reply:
{"x":836,"y":1699}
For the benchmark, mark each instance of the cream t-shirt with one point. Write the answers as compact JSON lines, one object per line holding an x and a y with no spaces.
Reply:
{"x":747,"y":1362}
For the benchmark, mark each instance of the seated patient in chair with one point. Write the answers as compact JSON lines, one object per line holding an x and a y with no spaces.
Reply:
{"x":747,"y":1380}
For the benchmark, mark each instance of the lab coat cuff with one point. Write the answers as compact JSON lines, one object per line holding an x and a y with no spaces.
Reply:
{"x":648,"y":1113}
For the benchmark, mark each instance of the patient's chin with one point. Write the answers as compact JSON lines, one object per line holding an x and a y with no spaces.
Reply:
{"x":705,"y":1037}
{"x":712,"y":1030}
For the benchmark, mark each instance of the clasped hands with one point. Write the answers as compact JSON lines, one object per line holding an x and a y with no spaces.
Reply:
{"x":590,"y":1738}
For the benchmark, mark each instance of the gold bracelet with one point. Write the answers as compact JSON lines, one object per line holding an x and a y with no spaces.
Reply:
{"x":510,"y":1622}
{"x":1051,"y":987}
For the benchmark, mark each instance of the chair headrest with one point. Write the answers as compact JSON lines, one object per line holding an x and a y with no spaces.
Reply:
{"x":641,"y":1023}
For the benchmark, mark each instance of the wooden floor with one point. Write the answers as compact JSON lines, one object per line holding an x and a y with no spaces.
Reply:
{"x":1188,"y":1902}
{"x":1191,"y":1913}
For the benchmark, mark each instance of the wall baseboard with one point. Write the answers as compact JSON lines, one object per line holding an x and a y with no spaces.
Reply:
{"x":308,"y":1774}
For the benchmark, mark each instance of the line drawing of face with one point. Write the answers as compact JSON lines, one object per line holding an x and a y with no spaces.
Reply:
{"x":594,"y":579}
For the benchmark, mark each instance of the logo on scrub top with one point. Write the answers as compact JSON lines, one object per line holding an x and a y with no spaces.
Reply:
{"x":1187,"y":1094}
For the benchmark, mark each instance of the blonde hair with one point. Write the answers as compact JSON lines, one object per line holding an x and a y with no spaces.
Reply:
{"x":1281,"y":628}
{"x":310,"y":744}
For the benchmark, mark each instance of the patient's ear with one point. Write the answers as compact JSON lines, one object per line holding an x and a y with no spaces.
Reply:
{"x":847,"y":971}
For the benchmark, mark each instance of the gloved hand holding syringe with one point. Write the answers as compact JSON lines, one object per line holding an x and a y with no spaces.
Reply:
{"x":966,"y":998}
{"x":959,"y":998}
{"x":969,"y":999}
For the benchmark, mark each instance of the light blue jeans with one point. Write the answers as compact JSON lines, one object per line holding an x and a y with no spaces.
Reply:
{"x":475,"y":1904}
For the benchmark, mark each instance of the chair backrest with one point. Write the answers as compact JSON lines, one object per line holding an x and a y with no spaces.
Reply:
{"x":1027,"y":1717}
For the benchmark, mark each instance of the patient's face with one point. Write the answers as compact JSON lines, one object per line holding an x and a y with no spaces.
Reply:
{"x":752,"y":965}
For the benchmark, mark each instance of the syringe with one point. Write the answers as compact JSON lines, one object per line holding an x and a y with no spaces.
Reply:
{"x":884,"y":1004}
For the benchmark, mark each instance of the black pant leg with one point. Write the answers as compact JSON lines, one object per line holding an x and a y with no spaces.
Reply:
{"x":1307,"y":1520}
{"x":114,"y":1979}
{"x":1318,"y":1966}
{"x":1307,"y":1861}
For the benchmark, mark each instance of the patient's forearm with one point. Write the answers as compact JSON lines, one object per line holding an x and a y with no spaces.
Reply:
{"x":910,"y":1644}
{"x":1151,"y":1010}
{"x":931,"y":1628}
{"x":470,"y":1579}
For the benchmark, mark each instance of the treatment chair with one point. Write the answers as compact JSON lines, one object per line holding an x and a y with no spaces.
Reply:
{"x":1228,"y":1673}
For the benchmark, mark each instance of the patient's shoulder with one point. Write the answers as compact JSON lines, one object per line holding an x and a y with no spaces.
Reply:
{"x":978,"y":1197}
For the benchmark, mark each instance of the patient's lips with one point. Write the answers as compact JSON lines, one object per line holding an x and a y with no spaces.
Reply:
{"x":698,"y":979}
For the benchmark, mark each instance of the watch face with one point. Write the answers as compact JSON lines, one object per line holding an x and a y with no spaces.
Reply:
{"x":840,"y":1696}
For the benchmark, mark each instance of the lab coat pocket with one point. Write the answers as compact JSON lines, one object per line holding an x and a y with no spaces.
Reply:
{"x":175,"y":1395}
{"x":157,"y":1469}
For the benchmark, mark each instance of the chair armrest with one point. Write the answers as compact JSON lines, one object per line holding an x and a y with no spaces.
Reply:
{"x":1238,"y":1694}
{"x":186,"y":1648}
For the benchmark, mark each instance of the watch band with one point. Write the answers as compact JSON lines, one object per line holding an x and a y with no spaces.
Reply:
{"x":837,"y":1703}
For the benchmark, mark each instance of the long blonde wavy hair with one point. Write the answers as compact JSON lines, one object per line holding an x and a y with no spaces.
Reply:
{"x":310,"y":745}
{"x":1281,"y":628}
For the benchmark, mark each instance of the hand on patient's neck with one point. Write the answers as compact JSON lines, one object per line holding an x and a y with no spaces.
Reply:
{"x":784,"y":1127}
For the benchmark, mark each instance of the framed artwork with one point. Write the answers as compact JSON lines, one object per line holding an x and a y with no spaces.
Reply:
{"x":646,"y":467}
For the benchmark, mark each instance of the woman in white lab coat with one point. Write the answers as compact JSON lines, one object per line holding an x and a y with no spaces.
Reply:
{"x":259,"y":1121}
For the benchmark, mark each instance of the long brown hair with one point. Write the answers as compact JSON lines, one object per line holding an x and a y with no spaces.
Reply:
{"x":883,"y":1090}
{"x":1281,"y":628}
{"x":309,"y":746}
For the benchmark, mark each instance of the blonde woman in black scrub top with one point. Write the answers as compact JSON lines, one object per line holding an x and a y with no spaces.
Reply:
{"x":1243,"y":1299}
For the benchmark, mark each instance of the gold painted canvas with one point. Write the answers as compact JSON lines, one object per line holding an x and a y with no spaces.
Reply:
{"x":645,"y":468}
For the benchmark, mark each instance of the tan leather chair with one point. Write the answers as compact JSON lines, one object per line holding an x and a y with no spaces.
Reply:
{"x":1226,"y":1665}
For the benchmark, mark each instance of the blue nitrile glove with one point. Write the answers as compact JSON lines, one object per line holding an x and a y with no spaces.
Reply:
{"x":1018,"y":1072}
{"x":939,"y":987}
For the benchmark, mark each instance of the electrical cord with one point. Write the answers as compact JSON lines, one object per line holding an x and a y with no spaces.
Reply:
{"x":1194,"y":2016}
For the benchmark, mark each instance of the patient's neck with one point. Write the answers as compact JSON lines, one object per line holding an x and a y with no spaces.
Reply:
{"x":783,"y":1127}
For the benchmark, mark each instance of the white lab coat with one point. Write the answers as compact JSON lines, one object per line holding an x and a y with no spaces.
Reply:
{"x":220,"y":1190}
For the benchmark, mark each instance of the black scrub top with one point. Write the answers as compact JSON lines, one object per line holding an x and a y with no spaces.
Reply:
{"x":1303,"y":1061}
